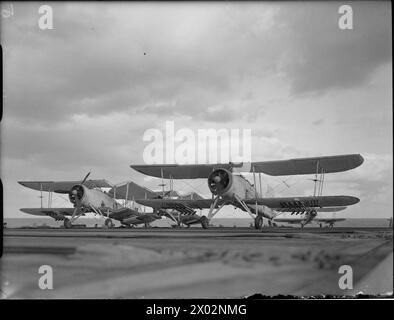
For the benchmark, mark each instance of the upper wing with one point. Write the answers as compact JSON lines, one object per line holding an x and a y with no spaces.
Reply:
{"x":176,"y":171}
{"x":299,"y":203}
{"x":313,"y":165}
{"x":309,"y":165}
{"x":63,"y":186}
{"x":56,"y":213}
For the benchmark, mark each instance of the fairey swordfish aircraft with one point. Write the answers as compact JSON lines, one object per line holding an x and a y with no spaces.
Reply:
{"x":88,"y":196}
{"x":228,"y":187}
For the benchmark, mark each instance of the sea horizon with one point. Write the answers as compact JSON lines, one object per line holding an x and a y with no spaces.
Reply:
{"x":165,"y":222}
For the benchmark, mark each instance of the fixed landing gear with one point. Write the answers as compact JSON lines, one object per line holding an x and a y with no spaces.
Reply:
{"x":67,"y":224}
{"x":204,"y":222}
{"x":108,"y":223}
{"x":258,"y":222}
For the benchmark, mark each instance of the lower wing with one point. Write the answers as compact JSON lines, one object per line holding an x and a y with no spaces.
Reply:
{"x":289,"y":204}
{"x":328,"y":220}
{"x":295,"y":221}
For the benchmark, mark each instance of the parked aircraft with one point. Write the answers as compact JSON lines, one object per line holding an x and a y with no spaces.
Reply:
{"x":88,"y":196}
{"x":229,"y":188}
{"x":179,"y":214}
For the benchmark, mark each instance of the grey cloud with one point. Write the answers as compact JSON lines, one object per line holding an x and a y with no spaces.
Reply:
{"x":323,"y":57}
{"x":318,"y":122}
{"x":88,"y":65}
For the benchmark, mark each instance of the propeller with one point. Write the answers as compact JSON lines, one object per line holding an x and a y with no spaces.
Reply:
{"x":218,"y":180}
{"x":84,"y":179}
{"x":76,"y":194}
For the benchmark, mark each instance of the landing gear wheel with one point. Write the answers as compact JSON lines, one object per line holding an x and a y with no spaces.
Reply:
{"x":204,"y":222}
{"x":67,"y":224}
{"x":258,"y":222}
{"x":108,"y":223}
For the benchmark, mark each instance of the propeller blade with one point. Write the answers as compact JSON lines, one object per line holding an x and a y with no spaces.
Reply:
{"x":83,"y":181}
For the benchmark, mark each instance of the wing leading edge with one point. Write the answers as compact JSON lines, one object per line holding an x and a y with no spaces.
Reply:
{"x":62,"y":186}
{"x":327,"y":164}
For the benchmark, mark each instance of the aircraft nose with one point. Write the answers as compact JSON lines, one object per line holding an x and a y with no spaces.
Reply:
{"x":216,"y":179}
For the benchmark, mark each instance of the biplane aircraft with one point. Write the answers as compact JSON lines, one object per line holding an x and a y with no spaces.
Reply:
{"x":88,"y":196}
{"x":228,"y":187}
{"x":179,"y":214}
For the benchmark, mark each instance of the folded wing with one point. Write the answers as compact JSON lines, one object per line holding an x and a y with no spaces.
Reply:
{"x":178,"y":203}
{"x":131,"y":190}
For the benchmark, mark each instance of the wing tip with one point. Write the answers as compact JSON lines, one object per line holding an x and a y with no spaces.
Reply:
{"x":359,"y":160}
{"x":353,"y":200}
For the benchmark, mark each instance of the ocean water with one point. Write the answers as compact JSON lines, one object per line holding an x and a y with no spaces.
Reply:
{"x":225,"y":222}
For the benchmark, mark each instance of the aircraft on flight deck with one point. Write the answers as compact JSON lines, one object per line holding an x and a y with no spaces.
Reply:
{"x":88,"y":196}
{"x":229,"y":188}
{"x":178,"y":214}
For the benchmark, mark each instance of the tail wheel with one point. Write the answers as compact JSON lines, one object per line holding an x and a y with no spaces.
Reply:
{"x":258,"y":222}
{"x":67,"y":224}
{"x":204,"y":222}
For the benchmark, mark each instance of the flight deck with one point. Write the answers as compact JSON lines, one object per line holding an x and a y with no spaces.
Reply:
{"x":195,"y":263}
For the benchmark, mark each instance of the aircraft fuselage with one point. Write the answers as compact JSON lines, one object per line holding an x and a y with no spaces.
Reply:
{"x":93,"y":197}
{"x":228,"y":186}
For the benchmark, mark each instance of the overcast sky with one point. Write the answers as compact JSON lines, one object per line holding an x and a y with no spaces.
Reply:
{"x":80,"y":97}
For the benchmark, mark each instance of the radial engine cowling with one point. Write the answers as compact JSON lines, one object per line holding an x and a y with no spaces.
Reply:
{"x":76,"y":193}
{"x":220,"y":181}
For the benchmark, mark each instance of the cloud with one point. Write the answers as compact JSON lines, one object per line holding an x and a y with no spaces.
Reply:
{"x":80,"y":97}
{"x":318,"y":122}
{"x":321,"y":56}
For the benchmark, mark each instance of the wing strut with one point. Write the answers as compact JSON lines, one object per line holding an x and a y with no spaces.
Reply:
{"x":244,"y":206}
{"x":213,"y":205}
{"x":212,"y":214}
{"x":41,"y":193}
{"x":127,"y":194}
